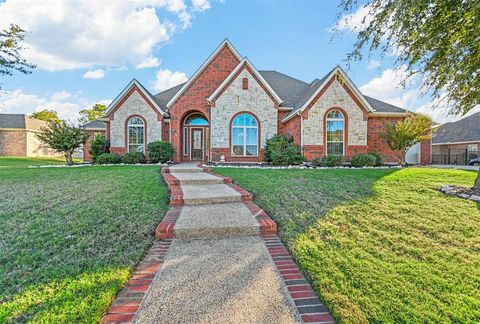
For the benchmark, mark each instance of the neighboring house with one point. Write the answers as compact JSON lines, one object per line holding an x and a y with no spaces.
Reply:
{"x":92,"y":128}
{"x":228,"y":109}
{"x":457,"y":142}
{"x":17,"y":136}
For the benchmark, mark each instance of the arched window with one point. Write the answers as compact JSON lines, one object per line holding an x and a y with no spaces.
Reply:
{"x":335,"y":133}
{"x":245,"y":135}
{"x":196,"y":120}
{"x":136,"y":135}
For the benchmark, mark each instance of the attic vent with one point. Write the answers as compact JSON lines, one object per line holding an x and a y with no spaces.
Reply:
{"x":245,"y":84}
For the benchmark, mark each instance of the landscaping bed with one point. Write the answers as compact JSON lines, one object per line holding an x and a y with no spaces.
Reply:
{"x":378,"y":245}
{"x":70,"y":237}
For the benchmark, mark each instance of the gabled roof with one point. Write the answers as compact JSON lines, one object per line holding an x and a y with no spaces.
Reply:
{"x":227,"y":43}
{"x":464,"y":130}
{"x":317,"y":85}
{"x":95,"y":124}
{"x":288,"y":88}
{"x":155,"y":102}
{"x":244,"y":63}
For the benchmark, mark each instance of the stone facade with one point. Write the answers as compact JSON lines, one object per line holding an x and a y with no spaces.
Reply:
{"x":134,"y":105}
{"x":335,"y":96}
{"x":235,"y":100}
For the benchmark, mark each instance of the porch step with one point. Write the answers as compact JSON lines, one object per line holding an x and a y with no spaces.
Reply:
{"x":218,"y":280}
{"x":209,"y":194}
{"x":185,"y":168}
{"x":196,"y":178}
{"x":217,"y":220}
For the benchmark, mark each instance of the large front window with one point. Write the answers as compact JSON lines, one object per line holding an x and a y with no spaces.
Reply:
{"x":136,"y":135}
{"x":244,"y":135}
{"x":335,"y":133}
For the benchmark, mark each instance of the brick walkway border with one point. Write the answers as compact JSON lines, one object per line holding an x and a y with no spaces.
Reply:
{"x":128,"y":300}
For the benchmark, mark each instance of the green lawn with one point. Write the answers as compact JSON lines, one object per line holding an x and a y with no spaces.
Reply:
{"x":70,"y":237}
{"x":378,"y":245}
{"x":24,"y":162}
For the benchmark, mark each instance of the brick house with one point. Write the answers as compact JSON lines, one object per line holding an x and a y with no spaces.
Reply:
{"x":17,"y":137}
{"x":228,"y":109}
{"x":92,"y":129}
{"x":457,"y":142}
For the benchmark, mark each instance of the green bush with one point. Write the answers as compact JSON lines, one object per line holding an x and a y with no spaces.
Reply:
{"x":280,"y":150}
{"x":160,"y":151}
{"x":328,"y":161}
{"x":133,"y":158}
{"x":108,"y":158}
{"x":361,"y":160}
{"x":378,"y":158}
{"x":99,"y":146}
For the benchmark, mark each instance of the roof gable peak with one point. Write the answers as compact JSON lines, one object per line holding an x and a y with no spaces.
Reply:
{"x":225,"y":43}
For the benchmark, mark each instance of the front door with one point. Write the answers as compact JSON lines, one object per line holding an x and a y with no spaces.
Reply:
{"x":197,"y":144}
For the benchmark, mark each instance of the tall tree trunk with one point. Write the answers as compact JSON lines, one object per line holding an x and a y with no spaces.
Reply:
{"x":477,"y":182}
{"x":68,"y":158}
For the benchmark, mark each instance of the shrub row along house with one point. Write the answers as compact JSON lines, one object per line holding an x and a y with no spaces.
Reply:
{"x":228,"y":109}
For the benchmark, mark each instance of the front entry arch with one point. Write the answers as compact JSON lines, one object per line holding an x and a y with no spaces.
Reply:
{"x":195,"y":135}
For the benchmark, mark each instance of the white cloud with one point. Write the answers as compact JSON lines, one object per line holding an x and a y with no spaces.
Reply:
{"x":201,"y":5}
{"x":94,"y":74}
{"x":80,"y":34}
{"x":166,"y":79}
{"x":387,"y":87}
{"x":67,"y":105}
{"x":356,"y":21}
{"x":373,"y":64}
{"x":149,"y":62}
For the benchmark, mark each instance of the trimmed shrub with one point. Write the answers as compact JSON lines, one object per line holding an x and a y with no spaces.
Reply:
{"x":328,"y":161}
{"x":361,"y":160}
{"x":280,"y":150}
{"x":378,"y":158}
{"x":133,"y":158}
{"x":99,"y":146}
{"x":108,"y":158}
{"x":160,"y":151}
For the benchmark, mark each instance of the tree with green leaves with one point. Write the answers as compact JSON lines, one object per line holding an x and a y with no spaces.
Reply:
{"x":99,"y":146}
{"x":10,"y":49}
{"x":46,"y":115}
{"x":437,"y":39}
{"x":63,"y":138}
{"x":94,"y":113}
{"x":406,"y":133}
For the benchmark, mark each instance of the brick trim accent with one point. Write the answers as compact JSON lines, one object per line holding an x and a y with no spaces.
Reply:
{"x":176,"y":193}
{"x":128,"y":300}
{"x":308,"y":305}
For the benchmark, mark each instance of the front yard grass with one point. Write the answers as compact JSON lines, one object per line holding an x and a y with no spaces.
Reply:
{"x":25,"y":162}
{"x":70,"y":238}
{"x":378,"y":245}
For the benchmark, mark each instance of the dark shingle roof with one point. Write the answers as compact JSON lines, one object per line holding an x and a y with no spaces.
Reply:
{"x":464,"y":130}
{"x":380,"y":106}
{"x":12,"y":121}
{"x":294,"y":93}
{"x":96,"y":124}
{"x":289,"y":89}
{"x":164,"y":97}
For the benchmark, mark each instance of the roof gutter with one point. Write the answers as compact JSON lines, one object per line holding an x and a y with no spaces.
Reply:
{"x":388,"y":114}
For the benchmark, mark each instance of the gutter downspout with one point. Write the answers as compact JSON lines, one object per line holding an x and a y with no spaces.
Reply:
{"x":301,"y":133}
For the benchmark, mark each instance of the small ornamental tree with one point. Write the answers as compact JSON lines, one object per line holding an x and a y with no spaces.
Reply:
{"x":99,"y":146}
{"x":63,"y":138}
{"x":406,"y":133}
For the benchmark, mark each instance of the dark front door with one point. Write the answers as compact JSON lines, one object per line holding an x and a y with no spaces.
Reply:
{"x":197,"y":144}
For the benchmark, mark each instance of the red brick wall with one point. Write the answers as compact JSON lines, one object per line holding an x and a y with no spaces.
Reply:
{"x":311,"y":152}
{"x":13,"y":143}
{"x":195,"y":97}
{"x":218,"y":152}
{"x":426,"y":152}
{"x":86,"y":146}
{"x":375,"y":141}
{"x":293,"y":128}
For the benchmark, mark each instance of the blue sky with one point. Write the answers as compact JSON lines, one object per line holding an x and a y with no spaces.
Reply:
{"x":87,"y":52}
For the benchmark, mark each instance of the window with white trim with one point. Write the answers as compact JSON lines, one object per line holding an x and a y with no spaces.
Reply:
{"x":335,"y":133}
{"x":136,"y":135}
{"x":473,"y":148}
{"x":244,"y":135}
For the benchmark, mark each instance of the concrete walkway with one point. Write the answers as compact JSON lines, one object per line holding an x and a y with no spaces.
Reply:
{"x":218,"y":269}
